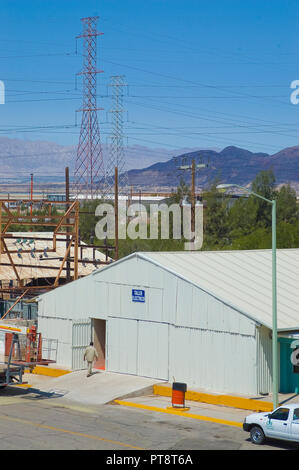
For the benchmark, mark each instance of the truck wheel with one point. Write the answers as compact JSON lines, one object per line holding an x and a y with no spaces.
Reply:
{"x":257,"y":435}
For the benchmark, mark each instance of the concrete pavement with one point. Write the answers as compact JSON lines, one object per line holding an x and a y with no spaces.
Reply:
{"x":200,"y":411}
{"x":136,"y":392}
{"x":62,"y":419}
{"x":101,"y":388}
{"x":35,"y":420}
{"x":130,"y":392}
{"x":163,"y":388}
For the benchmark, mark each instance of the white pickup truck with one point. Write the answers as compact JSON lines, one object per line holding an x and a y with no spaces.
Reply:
{"x":282,"y":423}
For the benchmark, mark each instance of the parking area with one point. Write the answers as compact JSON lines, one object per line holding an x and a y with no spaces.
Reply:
{"x":142,"y":422}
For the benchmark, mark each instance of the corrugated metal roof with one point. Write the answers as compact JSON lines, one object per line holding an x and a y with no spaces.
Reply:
{"x":7,"y":273}
{"x":242,"y":279}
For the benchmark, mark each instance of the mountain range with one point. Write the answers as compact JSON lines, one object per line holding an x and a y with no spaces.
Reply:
{"x":230,"y":165}
{"x":47,"y":160}
{"x":149,"y":169}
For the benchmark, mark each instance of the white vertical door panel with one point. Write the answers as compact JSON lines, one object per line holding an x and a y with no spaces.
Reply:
{"x":153,"y":350}
{"x":122,"y":345}
{"x":81,"y":337}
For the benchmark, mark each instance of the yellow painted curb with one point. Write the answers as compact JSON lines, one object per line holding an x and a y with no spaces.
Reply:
{"x":49,"y":371}
{"x":23,"y":385}
{"x":179,"y":413}
{"x":177,"y":409}
{"x":225,"y":400}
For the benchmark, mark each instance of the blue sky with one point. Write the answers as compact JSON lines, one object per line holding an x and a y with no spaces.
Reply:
{"x":199,"y":73}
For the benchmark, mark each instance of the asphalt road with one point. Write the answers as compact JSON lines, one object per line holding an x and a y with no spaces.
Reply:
{"x":39,"y":421}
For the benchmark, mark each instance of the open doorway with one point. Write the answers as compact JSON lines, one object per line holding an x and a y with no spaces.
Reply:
{"x":99,"y":339}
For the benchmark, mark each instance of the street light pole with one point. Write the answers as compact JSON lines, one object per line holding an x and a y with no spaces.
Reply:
{"x":274,"y":310}
{"x":193,"y":198}
{"x":274,"y":292}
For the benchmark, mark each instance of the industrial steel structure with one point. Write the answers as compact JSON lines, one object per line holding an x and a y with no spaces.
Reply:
{"x":116,"y":148}
{"x":32,"y":262}
{"x":89,"y":174}
{"x":59,"y":222}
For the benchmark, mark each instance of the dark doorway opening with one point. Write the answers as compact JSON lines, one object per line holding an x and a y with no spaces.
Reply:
{"x":99,"y":339}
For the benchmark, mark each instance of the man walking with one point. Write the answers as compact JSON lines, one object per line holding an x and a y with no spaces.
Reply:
{"x":90,"y":355}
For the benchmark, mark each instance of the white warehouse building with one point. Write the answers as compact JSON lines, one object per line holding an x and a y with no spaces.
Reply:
{"x":203,"y":318}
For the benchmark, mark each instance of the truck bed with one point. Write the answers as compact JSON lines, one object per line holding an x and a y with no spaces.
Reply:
{"x":10,"y":374}
{"x":3,"y":368}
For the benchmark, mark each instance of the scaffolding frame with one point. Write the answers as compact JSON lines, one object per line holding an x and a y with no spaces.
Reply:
{"x":65,"y":224}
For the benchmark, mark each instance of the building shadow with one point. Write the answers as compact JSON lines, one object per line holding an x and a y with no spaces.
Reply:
{"x":31,"y":393}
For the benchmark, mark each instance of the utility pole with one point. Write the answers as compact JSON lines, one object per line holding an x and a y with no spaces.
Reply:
{"x":116,"y":211}
{"x":89,"y":168}
{"x":193,"y":167}
{"x":67,"y":198}
{"x":76,"y":241}
{"x":31,"y":193}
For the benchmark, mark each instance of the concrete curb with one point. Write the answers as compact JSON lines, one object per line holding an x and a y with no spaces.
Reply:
{"x":49,"y":371}
{"x":180,"y":413}
{"x":137,"y":393}
{"x":224,"y":400}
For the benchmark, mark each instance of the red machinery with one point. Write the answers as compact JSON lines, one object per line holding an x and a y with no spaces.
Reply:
{"x":23,"y":348}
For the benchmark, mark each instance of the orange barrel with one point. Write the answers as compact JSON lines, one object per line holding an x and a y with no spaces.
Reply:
{"x":178,"y":394}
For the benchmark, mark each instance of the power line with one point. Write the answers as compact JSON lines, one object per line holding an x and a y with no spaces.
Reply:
{"x":204,"y":85}
{"x":189,"y":115}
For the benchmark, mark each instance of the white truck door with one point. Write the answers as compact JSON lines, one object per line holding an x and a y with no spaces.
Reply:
{"x":295,"y":425}
{"x":278,"y":424}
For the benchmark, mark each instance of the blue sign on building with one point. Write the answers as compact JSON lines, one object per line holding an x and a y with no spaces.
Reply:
{"x":138,"y":295}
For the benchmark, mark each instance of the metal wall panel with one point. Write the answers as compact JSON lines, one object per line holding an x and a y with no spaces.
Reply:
{"x":61,"y":330}
{"x":129,"y":309}
{"x":197,"y":309}
{"x":79,"y":299}
{"x":115,"y":306}
{"x":122,"y":345}
{"x":214,"y":361}
{"x":153,"y":340}
{"x":100,"y":307}
{"x":264,"y":360}
{"x":132,"y":271}
{"x":169,"y":300}
{"x":138,"y":347}
{"x":121,"y":303}
{"x":184,"y":296}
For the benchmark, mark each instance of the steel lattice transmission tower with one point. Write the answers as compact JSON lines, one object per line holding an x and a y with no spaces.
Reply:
{"x":89,"y":169}
{"x":116,"y":148}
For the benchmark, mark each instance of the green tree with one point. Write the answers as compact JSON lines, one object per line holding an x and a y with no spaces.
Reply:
{"x":182,"y":191}
{"x":264,"y":185}
{"x":216,"y":221}
{"x":287,"y":205}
